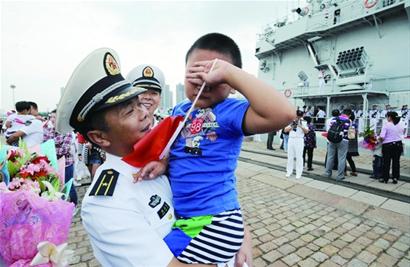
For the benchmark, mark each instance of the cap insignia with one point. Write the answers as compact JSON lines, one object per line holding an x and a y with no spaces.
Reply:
{"x":147,"y":72}
{"x":111,"y":65}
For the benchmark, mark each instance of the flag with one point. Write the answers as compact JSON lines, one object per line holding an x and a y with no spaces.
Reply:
{"x":150,"y":147}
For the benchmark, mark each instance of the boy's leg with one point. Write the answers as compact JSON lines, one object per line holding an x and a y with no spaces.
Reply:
{"x":378,"y":167}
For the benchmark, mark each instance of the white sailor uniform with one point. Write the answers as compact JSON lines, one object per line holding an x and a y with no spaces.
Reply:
{"x":127,"y":221}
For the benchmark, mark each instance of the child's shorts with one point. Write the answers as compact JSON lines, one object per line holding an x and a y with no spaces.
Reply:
{"x":207,"y":239}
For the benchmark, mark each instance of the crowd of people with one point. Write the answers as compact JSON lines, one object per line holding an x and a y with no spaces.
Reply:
{"x":375,"y":117}
{"x":342,"y":137}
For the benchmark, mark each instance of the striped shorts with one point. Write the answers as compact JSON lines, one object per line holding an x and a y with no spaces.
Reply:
{"x":207,"y":239}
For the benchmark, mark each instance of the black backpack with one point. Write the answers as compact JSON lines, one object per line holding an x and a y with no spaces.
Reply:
{"x":335,"y":132}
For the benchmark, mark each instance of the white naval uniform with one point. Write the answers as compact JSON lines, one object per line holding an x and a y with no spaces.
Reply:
{"x":127,"y":228}
{"x":296,"y":144}
{"x":374,"y":116}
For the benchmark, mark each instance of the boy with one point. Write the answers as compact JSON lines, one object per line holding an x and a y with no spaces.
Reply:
{"x":203,"y":159}
{"x":377,"y":162}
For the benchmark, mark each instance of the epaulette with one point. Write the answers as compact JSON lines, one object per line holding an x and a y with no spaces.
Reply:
{"x":105,"y":184}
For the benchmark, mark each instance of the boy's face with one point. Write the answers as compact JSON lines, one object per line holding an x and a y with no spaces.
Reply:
{"x":210,"y":95}
{"x":127,"y":123}
{"x":150,"y":99}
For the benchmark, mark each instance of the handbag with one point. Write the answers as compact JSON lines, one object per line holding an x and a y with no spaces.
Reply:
{"x":351,"y":133}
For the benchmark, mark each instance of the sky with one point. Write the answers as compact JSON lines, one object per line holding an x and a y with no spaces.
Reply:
{"x":43,"y":41}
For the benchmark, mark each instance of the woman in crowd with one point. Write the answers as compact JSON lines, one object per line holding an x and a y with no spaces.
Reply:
{"x":353,"y":149}
{"x":392,"y":147}
{"x":310,"y":143}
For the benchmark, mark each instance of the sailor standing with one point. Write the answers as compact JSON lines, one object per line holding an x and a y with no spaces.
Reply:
{"x":405,"y":119}
{"x":359,"y":116}
{"x":383,"y":113}
{"x":374,"y":117}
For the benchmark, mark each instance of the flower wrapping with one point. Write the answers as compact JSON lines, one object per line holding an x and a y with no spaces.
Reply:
{"x":369,"y":139}
{"x":26,"y":220}
{"x":32,"y":206}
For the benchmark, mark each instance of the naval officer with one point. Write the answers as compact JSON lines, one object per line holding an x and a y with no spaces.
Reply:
{"x":126,"y":221}
{"x":152,"y":79}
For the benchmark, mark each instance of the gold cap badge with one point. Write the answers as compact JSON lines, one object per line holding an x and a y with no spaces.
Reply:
{"x":111,"y":66}
{"x":148,"y":72}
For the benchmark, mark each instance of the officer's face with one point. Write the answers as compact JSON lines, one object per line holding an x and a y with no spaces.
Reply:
{"x":150,"y":99}
{"x":210,"y":95}
{"x":127,"y":123}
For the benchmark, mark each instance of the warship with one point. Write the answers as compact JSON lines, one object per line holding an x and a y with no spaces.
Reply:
{"x":340,"y":53}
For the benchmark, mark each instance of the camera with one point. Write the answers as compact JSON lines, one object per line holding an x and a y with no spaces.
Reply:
{"x":294,"y":125}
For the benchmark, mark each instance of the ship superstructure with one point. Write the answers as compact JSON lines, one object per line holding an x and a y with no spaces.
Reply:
{"x":340,"y":53}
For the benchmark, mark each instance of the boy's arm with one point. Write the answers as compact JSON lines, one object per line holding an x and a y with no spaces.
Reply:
{"x":269,"y":109}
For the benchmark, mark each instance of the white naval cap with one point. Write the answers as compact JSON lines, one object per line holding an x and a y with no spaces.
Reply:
{"x":95,"y":84}
{"x":147,"y":76}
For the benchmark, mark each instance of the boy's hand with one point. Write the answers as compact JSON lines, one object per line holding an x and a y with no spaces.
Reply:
{"x":199,"y":72}
{"x":150,"y":171}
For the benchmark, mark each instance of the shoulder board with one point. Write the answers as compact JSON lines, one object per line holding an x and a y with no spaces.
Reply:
{"x":105,"y":184}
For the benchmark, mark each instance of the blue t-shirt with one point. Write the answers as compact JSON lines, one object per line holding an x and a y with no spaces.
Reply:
{"x":203,"y":159}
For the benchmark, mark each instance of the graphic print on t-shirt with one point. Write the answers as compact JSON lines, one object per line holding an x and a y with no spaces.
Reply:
{"x":200,"y":126}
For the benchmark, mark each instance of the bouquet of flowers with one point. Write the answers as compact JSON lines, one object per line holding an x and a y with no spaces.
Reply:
{"x":34,"y":217}
{"x":369,"y":139}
